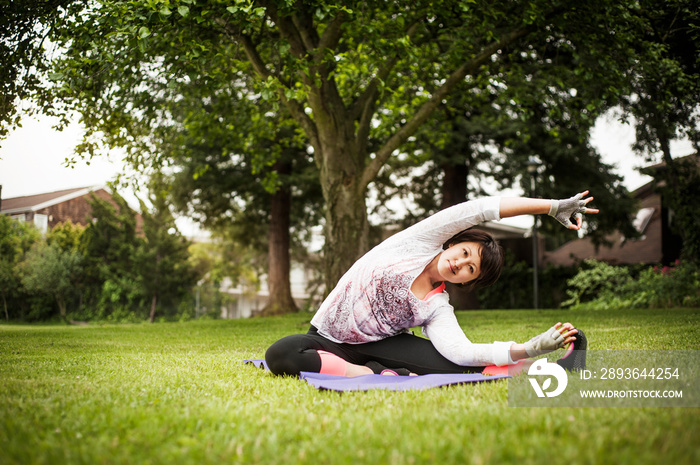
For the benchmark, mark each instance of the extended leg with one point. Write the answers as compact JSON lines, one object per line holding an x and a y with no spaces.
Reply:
{"x":414,"y":353}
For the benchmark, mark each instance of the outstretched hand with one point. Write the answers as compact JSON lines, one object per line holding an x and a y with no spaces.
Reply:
{"x":567,"y":331}
{"x":564,"y":210}
{"x":554,"y":338}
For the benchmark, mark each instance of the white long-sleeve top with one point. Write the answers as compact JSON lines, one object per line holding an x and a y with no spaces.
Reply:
{"x":373,"y":300}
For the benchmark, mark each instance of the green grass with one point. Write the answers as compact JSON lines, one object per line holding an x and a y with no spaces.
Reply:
{"x":178,"y":393}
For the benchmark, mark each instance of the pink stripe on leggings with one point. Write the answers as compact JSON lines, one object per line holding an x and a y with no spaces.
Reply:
{"x":502,"y":370}
{"x":331,"y":364}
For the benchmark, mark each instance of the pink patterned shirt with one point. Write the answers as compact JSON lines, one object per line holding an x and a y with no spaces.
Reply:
{"x":373,"y":300}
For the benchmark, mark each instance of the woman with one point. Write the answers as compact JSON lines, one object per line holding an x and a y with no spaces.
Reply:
{"x":362,"y":326}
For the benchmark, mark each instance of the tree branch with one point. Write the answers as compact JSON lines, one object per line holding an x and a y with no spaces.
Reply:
{"x":294,"y":107}
{"x":407,"y":130}
{"x":288,"y":30}
{"x":361,"y":104}
{"x":307,"y":34}
{"x":254,"y":57}
{"x":334,"y":31}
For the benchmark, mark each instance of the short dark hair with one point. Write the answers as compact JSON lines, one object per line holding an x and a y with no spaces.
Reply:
{"x":492,"y":256}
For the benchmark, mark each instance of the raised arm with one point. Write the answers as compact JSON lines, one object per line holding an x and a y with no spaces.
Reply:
{"x":561,"y":210}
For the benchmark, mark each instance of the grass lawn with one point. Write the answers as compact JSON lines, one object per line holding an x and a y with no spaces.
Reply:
{"x":179,"y":393}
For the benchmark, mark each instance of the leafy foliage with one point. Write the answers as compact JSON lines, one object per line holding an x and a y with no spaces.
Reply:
{"x":224,"y":260}
{"x":666,"y":89}
{"x":24,"y":30}
{"x":16,"y":239}
{"x":162,"y":258}
{"x":514,"y":289}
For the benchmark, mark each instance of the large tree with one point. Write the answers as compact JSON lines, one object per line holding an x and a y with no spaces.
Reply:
{"x":336,"y":67}
{"x":339,"y":68}
{"x":249,"y":173}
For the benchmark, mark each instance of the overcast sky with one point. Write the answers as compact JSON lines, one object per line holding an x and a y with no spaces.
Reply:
{"x":32,"y":161}
{"x":32,"y":158}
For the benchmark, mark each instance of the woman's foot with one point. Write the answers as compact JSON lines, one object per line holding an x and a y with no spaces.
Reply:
{"x":379,"y":369}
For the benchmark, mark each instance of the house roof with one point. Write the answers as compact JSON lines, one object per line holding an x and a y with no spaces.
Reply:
{"x":662,"y":165}
{"x":39,"y":201}
{"x":649,"y":248}
{"x":503,"y":231}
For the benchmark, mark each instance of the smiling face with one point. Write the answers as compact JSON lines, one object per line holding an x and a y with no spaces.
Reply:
{"x":460,"y":263}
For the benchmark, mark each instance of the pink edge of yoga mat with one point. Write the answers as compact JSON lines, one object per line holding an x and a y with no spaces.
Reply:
{"x":392,"y":383}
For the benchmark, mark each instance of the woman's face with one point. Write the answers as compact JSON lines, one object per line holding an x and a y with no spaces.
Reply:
{"x":460,"y":263}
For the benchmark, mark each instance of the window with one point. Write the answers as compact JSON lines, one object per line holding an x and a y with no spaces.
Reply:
{"x":641,"y":221}
{"x":41,"y":222}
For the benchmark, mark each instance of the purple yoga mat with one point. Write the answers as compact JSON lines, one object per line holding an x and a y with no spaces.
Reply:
{"x":391,"y":383}
{"x":257,"y":363}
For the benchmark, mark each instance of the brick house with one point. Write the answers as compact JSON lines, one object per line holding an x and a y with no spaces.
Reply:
{"x":657,"y":242}
{"x":49,"y":209}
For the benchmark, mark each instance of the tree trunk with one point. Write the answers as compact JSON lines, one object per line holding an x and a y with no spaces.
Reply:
{"x":347,"y":228}
{"x":156,"y":282}
{"x":671,"y":167}
{"x":61,"y":307}
{"x":154,"y":301}
{"x":454,"y":186}
{"x":455,"y":168}
{"x":279,"y":264}
{"x":4,"y":302}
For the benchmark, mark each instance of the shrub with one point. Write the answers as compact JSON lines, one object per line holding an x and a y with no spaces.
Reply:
{"x":602,"y":286}
{"x":593,"y":280}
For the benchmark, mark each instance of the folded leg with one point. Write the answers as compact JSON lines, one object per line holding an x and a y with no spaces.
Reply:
{"x":300,"y":352}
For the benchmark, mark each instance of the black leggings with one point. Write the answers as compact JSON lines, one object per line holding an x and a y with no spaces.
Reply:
{"x":296,"y":353}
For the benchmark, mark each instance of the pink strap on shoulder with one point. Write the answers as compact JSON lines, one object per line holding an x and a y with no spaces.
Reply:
{"x":437,"y":290}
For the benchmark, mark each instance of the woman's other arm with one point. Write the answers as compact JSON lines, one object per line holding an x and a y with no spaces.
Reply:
{"x":561,"y":210}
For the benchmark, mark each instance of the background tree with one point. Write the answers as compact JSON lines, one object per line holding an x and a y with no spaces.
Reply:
{"x":162,"y":258}
{"x":136,"y":264}
{"x":66,"y":235}
{"x":110,"y":243}
{"x":666,"y":89}
{"x":49,"y":269}
{"x":663,"y":107}
{"x":255,"y":173}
